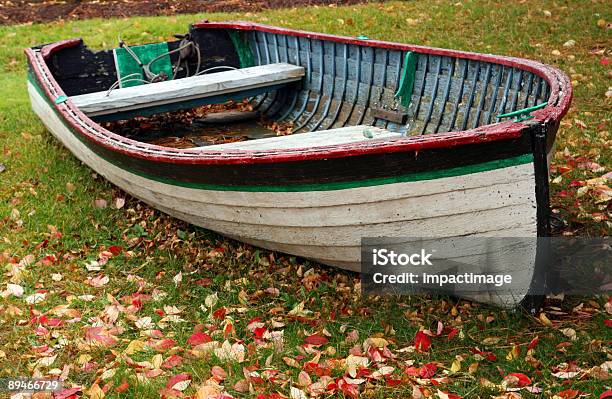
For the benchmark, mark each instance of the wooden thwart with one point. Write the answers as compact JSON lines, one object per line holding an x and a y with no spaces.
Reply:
{"x":195,"y":87}
{"x":344,"y":135}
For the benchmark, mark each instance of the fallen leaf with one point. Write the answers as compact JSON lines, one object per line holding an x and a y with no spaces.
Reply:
{"x":177,"y":278}
{"x":564,"y":375}
{"x":144,"y":323}
{"x":100,"y":203}
{"x":316,"y":340}
{"x":119,"y":202}
{"x":98,"y":281}
{"x":208,"y":391}
{"x":428,"y":370}
{"x":422,"y":342}
{"x":15,"y":290}
{"x":198,"y":338}
{"x":568,"y":394}
{"x":218,"y":373}
{"x":296,"y":393}
{"x":179,"y":382}
{"x":570,"y":333}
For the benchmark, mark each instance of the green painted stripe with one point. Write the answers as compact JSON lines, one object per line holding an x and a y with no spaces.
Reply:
{"x":412,"y":177}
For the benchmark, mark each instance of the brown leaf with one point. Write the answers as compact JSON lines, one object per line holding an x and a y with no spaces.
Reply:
{"x":100,"y":203}
{"x":242,"y":386}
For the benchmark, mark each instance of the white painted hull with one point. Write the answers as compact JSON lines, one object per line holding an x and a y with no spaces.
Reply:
{"x":327,"y":226}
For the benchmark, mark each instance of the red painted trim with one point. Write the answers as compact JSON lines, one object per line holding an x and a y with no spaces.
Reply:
{"x":91,"y":131}
{"x":49,"y":49}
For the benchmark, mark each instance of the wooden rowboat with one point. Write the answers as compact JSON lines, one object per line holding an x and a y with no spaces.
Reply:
{"x":388,"y":139}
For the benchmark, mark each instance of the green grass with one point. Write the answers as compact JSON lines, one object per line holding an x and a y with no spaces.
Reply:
{"x":44,"y":189}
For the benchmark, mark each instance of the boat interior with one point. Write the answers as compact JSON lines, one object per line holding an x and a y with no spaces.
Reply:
{"x":252,"y":89}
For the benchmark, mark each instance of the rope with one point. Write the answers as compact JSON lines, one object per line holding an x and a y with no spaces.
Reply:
{"x":154,"y":78}
{"x":227,"y":67}
{"x":125,"y":79}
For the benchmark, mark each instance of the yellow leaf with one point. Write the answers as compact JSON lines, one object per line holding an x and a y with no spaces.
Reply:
{"x":570,"y":333}
{"x":545,"y":320}
{"x":375,"y":342}
{"x":134,"y":346}
{"x":291,"y":362}
{"x":456,"y":366}
{"x":491,"y":340}
{"x":514,"y":353}
{"x":472,"y":368}
{"x":208,"y":391}
{"x":157,"y":361}
{"x":95,"y":392}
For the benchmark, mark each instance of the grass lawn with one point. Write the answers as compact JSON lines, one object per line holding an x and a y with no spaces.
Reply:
{"x":121,"y":300}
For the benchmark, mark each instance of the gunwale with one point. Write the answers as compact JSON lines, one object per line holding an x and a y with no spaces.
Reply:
{"x":558,"y":105}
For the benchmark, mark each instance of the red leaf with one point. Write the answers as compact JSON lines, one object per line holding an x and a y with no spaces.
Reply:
{"x":428,"y":370}
{"x":259,"y":332}
{"x":172,"y":361}
{"x":175,"y":379}
{"x":452,"y":333}
{"x":490,"y":356}
{"x":66,"y":393}
{"x":204,"y":282}
{"x":568,"y":394}
{"x":607,"y":394}
{"x":315,"y":339}
{"x":199,"y":338}
{"x":422,"y":342}
{"x":523,"y":380}
{"x":350,"y":390}
{"x":42,"y":244}
{"x":219,"y":313}
{"x":608,"y":322}
{"x":604,"y":61}
{"x":218,"y":373}
{"x":115,"y":250}
{"x":48,"y":260}
{"x":162,"y":344}
{"x":227,"y":330}
{"x":122,"y":387}
{"x":533,"y":343}
{"x":100,"y":335}
{"x":391,"y":382}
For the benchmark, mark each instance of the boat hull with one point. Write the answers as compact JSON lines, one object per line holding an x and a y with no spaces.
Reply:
{"x":320,"y":201}
{"x":327,"y":226}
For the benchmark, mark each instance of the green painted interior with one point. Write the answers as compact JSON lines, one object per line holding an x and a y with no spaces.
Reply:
{"x":404,"y":92}
{"x":126,"y":65}
{"x":242,"y":49}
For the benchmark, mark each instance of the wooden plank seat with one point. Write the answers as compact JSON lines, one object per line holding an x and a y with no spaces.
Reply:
{"x":343,"y":135}
{"x":187,"y":92}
